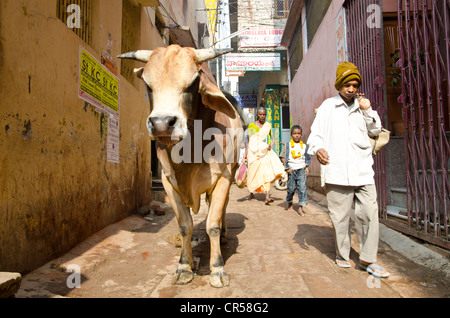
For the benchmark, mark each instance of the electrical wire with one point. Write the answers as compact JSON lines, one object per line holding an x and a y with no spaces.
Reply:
{"x":170,"y":17}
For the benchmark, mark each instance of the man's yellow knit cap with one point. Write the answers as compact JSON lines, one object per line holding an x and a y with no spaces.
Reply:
{"x":346,"y":72}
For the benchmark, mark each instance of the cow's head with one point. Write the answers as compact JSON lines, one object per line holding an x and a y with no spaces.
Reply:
{"x":174,"y":77}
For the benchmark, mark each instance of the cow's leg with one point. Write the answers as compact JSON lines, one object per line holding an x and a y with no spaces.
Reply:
{"x":184,"y":273}
{"x":214,"y":222}
{"x":224,"y":231}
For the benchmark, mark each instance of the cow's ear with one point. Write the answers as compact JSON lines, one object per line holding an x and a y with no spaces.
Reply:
{"x":213,"y":97}
{"x":139,"y":71}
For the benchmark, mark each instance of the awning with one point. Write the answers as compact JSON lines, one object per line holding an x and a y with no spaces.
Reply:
{"x":182,"y":36}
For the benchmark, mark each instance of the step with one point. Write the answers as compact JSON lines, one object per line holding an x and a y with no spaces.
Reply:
{"x":402,"y":213}
{"x":399,"y":197}
{"x":9,"y":284}
{"x":157,"y":185}
{"x":398,"y":212}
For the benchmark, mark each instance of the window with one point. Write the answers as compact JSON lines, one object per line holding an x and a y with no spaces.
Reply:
{"x":296,"y":50}
{"x":315,"y":12}
{"x":84,"y":31}
{"x":282,"y":8}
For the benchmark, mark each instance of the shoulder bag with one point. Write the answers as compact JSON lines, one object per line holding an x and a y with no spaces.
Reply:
{"x":378,"y":142}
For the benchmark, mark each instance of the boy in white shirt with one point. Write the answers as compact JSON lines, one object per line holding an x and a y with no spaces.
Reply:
{"x":296,"y":160}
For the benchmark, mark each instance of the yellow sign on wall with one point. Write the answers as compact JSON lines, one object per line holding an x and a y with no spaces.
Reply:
{"x":98,"y":85}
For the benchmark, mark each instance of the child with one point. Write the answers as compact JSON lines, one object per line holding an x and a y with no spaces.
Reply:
{"x":296,"y":159}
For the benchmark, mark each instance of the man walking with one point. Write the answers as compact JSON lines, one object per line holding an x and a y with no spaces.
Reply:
{"x":340,"y":140}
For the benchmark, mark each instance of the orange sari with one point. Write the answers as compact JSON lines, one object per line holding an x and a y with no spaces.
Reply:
{"x":264,"y":166}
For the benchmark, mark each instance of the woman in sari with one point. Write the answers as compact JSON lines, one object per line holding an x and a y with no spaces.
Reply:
{"x":264,"y":166}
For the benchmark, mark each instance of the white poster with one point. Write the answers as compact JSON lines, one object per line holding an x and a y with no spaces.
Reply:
{"x":261,"y":38}
{"x":341,"y":38}
{"x":113,"y":139}
{"x":253,"y":62}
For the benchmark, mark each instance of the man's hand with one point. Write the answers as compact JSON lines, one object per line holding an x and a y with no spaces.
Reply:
{"x":364,"y":103}
{"x":322,"y":156}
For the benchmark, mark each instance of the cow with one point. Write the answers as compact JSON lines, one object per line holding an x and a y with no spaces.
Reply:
{"x":186,"y":103}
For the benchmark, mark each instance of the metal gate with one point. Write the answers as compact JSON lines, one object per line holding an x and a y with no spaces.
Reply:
{"x":424,"y":33}
{"x":364,"y":38}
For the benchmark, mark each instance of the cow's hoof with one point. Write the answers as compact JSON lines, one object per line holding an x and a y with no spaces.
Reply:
{"x":219,"y":279}
{"x":182,"y":277}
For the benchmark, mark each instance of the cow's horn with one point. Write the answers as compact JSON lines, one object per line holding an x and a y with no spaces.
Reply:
{"x":141,"y":55}
{"x":204,"y":55}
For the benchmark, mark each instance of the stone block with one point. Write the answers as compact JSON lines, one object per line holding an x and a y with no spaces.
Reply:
{"x":9,"y":284}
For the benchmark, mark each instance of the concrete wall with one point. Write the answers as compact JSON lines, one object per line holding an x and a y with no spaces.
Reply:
{"x":56,"y":186}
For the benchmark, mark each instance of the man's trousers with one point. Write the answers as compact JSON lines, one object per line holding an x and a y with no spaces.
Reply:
{"x":341,"y":200}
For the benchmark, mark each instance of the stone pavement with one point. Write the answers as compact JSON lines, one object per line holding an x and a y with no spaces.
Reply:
{"x":271,"y":253}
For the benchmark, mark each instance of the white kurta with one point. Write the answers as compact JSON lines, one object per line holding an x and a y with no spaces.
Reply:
{"x":344,"y":133}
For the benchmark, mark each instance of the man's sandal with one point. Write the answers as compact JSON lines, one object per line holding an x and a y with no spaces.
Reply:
{"x":342,"y":263}
{"x":375,"y":270}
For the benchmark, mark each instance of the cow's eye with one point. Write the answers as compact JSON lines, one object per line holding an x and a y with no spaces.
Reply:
{"x":193,"y":88}
{"x":150,"y":96}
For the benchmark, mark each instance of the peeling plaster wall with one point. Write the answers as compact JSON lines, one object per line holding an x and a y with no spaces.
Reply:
{"x":56,"y":186}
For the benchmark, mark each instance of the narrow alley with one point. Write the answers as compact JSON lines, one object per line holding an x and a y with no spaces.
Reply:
{"x":271,"y":253}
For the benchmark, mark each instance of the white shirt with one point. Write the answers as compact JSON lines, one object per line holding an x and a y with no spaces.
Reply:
{"x":297,"y":163}
{"x":343,"y":131}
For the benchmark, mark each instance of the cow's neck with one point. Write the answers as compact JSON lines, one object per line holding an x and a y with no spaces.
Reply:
{"x":177,"y":175}
{"x":176,"y":171}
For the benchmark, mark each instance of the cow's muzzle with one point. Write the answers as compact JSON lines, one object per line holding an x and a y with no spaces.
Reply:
{"x":164,"y":128}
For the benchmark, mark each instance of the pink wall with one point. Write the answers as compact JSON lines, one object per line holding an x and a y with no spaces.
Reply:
{"x":314,"y":80}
